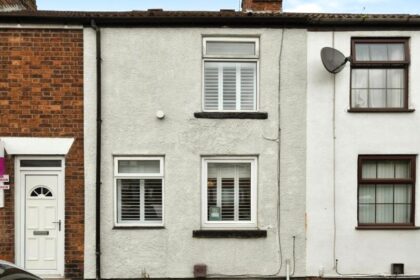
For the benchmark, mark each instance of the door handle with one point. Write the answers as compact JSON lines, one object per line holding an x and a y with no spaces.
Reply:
{"x":59,"y":224}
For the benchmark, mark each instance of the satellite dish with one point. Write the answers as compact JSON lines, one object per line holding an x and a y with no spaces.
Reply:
{"x":334,"y":61}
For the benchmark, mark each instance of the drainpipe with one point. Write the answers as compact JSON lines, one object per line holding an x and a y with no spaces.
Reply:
{"x":98,"y":147}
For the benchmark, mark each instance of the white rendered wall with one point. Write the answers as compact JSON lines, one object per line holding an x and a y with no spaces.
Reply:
{"x":151,"y":69}
{"x":89,"y":99}
{"x":358,"y":252}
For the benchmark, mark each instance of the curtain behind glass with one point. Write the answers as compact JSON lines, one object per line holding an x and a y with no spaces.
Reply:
{"x":385,"y":203}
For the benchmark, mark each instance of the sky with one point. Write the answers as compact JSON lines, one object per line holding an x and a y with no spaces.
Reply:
{"x":336,"y":6}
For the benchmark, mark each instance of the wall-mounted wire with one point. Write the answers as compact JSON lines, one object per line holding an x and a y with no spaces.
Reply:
{"x":278,"y":140}
{"x":294,"y":256}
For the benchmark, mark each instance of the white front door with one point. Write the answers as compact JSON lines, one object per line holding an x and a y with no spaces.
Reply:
{"x":41,"y":233}
{"x":42,"y":223}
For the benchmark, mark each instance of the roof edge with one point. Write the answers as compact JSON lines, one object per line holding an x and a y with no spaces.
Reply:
{"x":212,"y":19}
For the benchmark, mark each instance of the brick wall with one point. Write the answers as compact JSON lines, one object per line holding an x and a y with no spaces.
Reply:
{"x":41,"y":95}
{"x":18,"y":4}
{"x":262,"y":5}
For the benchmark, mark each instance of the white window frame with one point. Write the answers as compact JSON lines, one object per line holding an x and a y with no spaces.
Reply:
{"x":204,"y":211}
{"x":235,"y":59}
{"x":255,"y":40}
{"x":140,"y":176}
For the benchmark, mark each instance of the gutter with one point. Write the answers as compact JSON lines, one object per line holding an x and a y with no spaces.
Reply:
{"x":98,"y":148}
{"x":217,"y":19}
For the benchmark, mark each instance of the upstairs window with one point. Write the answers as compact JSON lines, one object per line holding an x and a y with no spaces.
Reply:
{"x":139,"y":191}
{"x":379,"y":74}
{"x":230,"y":74}
{"x":386,"y":190}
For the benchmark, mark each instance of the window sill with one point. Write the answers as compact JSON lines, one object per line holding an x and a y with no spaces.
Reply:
{"x":380,"y":110}
{"x":230,"y":234}
{"x":231,"y":115}
{"x":137,"y":227}
{"x":390,"y":227}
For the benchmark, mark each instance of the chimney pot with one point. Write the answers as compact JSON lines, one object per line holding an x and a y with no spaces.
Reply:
{"x":262,"y":6}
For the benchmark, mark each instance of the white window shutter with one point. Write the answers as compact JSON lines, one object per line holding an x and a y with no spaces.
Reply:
{"x":248,"y":86}
{"x":228,"y":199}
{"x":140,"y":200}
{"x":244,"y":199}
{"x":129,"y":200}
{"x":153,"y":200}
{"x":211,"y":86}
{"x":229,"y":86}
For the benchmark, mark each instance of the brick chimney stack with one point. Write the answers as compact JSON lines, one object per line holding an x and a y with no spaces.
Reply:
{"x":262,"y":6}
{"x":17,"y":5}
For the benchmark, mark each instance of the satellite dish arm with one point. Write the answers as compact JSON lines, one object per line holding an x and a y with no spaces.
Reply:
{"x":342,"y":64}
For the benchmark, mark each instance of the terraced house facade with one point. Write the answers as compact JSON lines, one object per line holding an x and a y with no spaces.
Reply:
{"x":208,"y":144}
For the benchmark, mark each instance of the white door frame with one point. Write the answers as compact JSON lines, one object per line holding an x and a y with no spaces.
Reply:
{"x":20,"y":201}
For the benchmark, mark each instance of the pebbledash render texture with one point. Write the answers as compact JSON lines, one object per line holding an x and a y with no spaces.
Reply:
{"x":41,"y":95}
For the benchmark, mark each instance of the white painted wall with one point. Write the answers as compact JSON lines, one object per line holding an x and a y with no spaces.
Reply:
{"x":358,"y":252}
{"x":151,"y":69}
{"x":89,"y":99}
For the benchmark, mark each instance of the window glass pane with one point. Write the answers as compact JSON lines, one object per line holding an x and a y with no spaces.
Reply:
{"x":366,"y":213}
{"x":395,"y":98}
{"x":396,"y":52}
{"x":402,"y":169}
{"x":230,"y":48}
{"x":244,"y":170}
{"x":378,"y":52}
{"x":362,"y":52}
{"x":386,"y":169}
{"x":359,"y":98}
{"x":395,"y":78}
{"x":227,"y":170}
{"x":139,"y":166}
{"x":384,"y":213}
{"x":402,"y":194}
{"x":377,"y":78}
{"x":384,"y":194}
{"x":128,"y":200}
{"x":213,"y":170}
{"x":369,"y":170}
{"x":360,"y":78}
{"x":367,"y":194}
{"x":153,"y":199}
{"x":41,"y":192}
{"x":40,"y":163}
{"x":402,"y":213}
{"x":377,"y":98}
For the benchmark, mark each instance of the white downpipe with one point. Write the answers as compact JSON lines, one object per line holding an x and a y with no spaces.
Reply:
{"x":287,"y":269}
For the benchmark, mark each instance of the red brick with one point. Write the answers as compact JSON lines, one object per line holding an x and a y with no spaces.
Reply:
{"x":34,"y":83}
{"x":262,"y":5}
